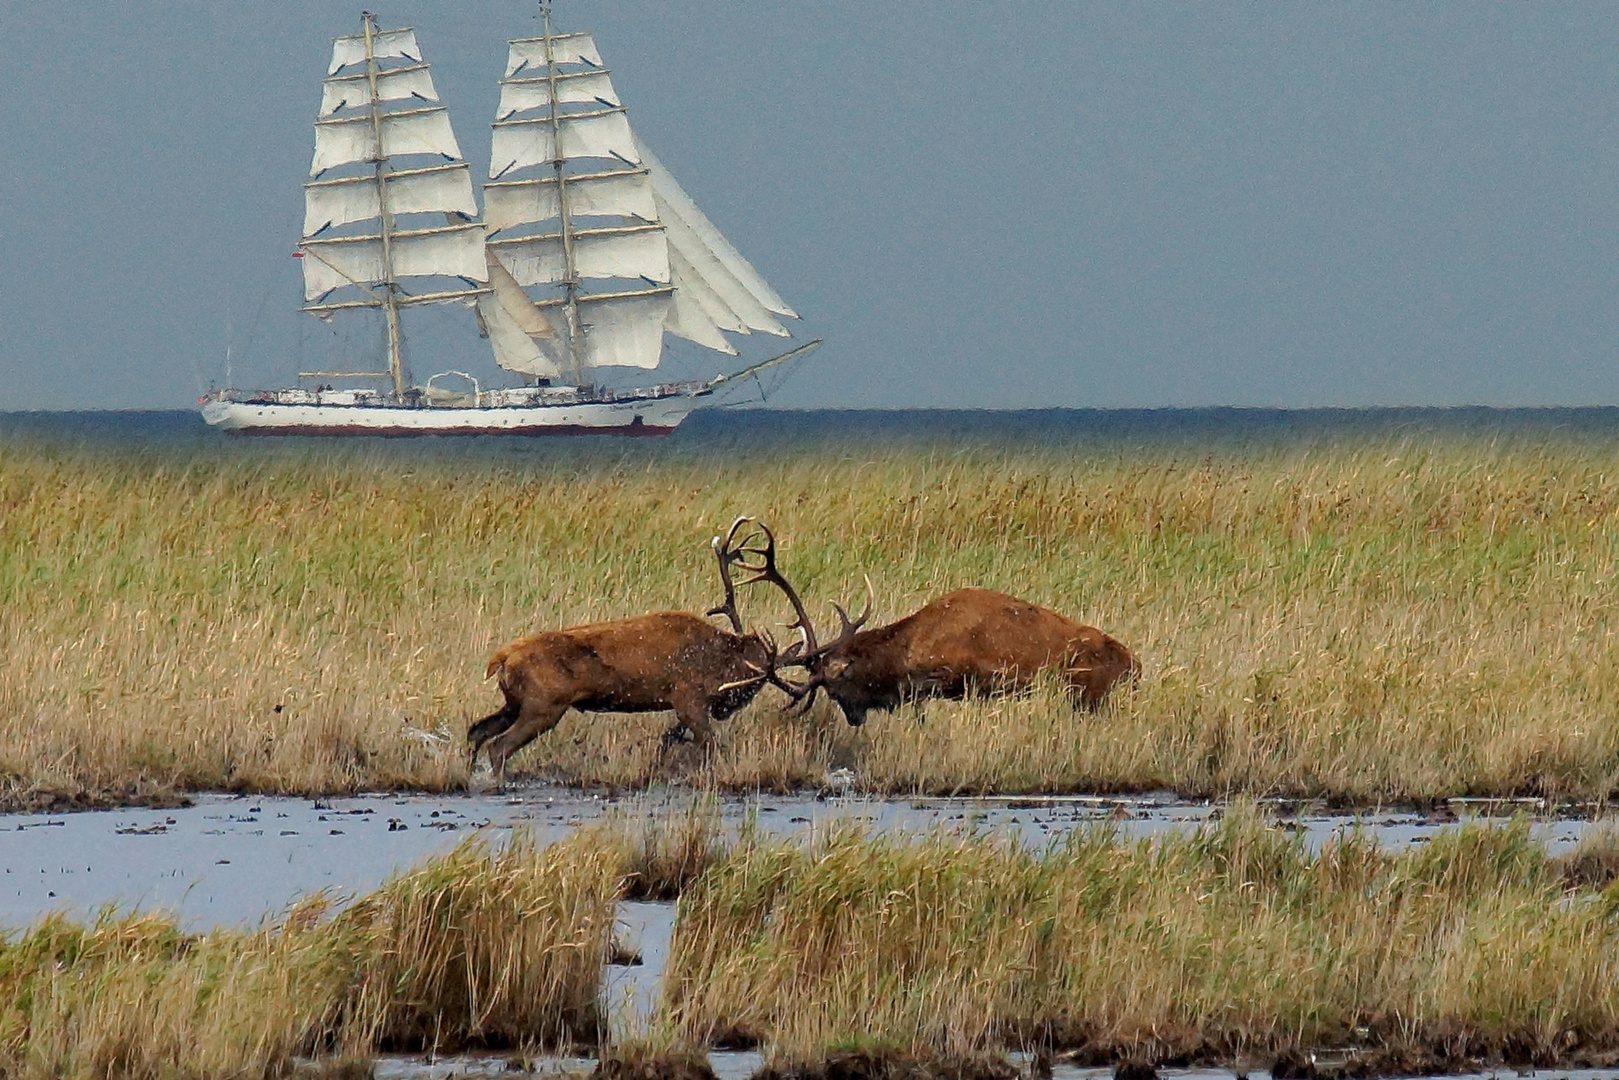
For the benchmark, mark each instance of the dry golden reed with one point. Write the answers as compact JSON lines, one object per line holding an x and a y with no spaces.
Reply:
{"x":478,"y":948}
{"x":1369,"y":613}
{"x":1235,"y":944}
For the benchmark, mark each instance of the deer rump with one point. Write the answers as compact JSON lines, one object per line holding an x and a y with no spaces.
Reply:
{"x":647,"y":663}
{"x":970,"y":641}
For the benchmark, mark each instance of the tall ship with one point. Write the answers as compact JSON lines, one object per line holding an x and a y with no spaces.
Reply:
{"x":588,"y":253}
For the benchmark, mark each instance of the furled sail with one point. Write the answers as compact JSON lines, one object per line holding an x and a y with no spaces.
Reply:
{"x":565,"y":227}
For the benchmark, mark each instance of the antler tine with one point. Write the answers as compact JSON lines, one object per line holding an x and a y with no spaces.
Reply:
{"x":726,"y":554}
{"x":736,"y":527}
{"x":768,"y":572}
{"x":849,"y":629}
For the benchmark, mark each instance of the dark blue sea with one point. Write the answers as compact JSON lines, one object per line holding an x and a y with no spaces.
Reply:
{"x":742,"y":430}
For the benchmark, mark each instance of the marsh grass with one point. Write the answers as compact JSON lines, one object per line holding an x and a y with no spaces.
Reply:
{"x":479,"y":948}
{"x":663,"y":851}
{"x":1377,"y":614}
{"x":1233,"y":944}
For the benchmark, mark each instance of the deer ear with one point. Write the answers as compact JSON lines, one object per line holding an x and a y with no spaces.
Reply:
{"x":836,"y":666}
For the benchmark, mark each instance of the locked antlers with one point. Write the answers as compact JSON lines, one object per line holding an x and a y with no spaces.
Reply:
{"x":757,"y":542}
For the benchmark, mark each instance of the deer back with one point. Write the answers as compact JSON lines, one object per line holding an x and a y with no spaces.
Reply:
{"x":971,"y":637}
{"x":642,"y":658}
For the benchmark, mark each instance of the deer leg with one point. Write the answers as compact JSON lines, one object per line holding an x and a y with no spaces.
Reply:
{"x":691,"y":713}
{"x":489,"y":727}
{"x":533,"y":720}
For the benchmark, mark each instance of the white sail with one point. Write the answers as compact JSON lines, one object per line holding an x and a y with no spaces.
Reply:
{"x":688,"y":319}
{"x":413,"y":131}
{"x":354,"y":91}
{"x":439,"y":189}
{"x":576,"y":87}
{"x":385,"y":45}
{"x":522,"y":334}
{"x":623,"y":331}
{"x":532,"y":319}
{"x":451,"y":251}
{"x":704,"y":274}
{"x":518,"y":144}
{"x":624,"y":193}
{"x":565,"y":49}
{"x":691,"y":285}
{"x":637,"y":251}
{"x":514,"y":350}
{"x":712,"y":289}
{"x":709,"y":253}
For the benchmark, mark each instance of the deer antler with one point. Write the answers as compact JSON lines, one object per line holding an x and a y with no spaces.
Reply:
{"x":768,"y":672}
{"x":766,"y":571}
{"x":728,"y":555}
{"x":760,"y":543}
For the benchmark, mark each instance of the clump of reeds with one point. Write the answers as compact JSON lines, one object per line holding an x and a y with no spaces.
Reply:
{"x":660,"y":853}
{"x":1370,"y":614}
{"x":485,"y":947}
{"x":479,"y":948}
{"x":1234,"y":943}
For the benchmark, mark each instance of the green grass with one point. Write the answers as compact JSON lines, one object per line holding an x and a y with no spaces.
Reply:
{"x":1370,"y":614}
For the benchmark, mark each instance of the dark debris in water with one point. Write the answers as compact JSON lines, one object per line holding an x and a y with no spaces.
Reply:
{"x":895,"y":1065}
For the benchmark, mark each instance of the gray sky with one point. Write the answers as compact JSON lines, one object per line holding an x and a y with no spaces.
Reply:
{"x":1012,"y":205}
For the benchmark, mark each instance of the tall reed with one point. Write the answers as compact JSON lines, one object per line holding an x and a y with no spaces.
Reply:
{"x":1370,"y":613}
{"x":478,"y":948}
{"x":1234,"y":944}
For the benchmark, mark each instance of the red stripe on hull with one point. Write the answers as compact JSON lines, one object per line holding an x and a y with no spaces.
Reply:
{"x":391,"y":433}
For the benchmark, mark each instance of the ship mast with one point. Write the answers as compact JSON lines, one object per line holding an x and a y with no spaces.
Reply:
{"x":390,"y":301}
{"x":570,"y":280}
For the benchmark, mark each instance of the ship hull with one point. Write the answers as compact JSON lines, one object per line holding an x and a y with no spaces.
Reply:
{"x":656,"y":416}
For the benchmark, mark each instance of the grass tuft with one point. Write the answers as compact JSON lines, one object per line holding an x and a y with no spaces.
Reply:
{"x":1231,"y":944}
{"x":478,"y":949}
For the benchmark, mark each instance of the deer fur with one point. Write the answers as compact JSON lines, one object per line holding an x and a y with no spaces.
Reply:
{"x":967,"y":641}
{"x":648,"y":663}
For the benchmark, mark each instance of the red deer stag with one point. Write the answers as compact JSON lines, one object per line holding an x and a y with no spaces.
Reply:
{"x":967,"y":641}
{"x":648,"y":663}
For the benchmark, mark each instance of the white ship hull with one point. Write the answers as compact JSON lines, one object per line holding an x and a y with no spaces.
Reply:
{"x":648,"y":416}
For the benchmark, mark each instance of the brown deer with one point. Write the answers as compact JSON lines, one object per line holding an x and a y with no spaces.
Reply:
{"x":968,"y":641}
{"x":647,"y":663}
